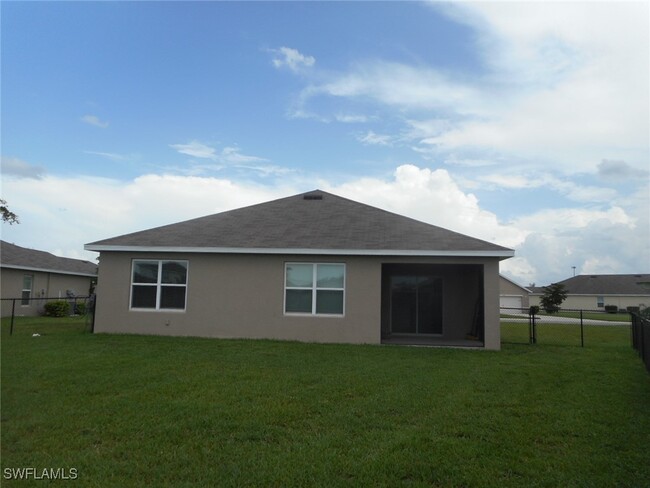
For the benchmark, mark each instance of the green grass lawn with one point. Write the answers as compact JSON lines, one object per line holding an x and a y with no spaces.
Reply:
{"x":138,"y":411}
{"x":569,"y":334}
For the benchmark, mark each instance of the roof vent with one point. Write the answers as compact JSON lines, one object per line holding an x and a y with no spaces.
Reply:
{"x":312,"y":196}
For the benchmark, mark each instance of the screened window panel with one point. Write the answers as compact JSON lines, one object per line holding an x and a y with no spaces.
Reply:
{"x":329,"y":302}
{"x":27,"y":289}
{"x":430,"y":305}
{"x":330,"y":276}
{"x":416,"y":305}
{"x":27,"y":282}
{"x":172,"y":297}
{"x":174,"y":272}
{"x":143,"y":296}
{"x":300,"y":275}
{"x":298,"y":301}
{"x":145,"y":272}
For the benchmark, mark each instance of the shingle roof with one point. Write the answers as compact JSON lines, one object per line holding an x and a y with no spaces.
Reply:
{"x":308,"y":222}
{"x":12,"y":256}
{"x":620,"y":284}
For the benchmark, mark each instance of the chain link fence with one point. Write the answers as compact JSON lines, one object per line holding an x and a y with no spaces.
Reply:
{"x":641,"y":337}
{"x":565,"y":327}
{"x":25,"y":310}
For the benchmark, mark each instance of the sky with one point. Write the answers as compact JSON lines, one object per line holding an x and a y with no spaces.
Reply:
{"x":526,"y":124}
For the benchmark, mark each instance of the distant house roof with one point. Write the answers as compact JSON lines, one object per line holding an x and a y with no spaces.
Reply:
{"x":514,"y":283}
{"x":316,"y":222}
{"x":619,"y":284}
{"x":12,"y":256}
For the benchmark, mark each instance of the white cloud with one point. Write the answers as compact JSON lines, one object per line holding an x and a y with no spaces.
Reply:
{"x":563,"y":186}
{"x":370,"y":138}
{"x":351,"y":118}
{"x":548,"y":243}
{"x":512,"y":181}
{"x":106,"y":155}
{"x":548,"y":221}
{"x":292,"y":59}
{"x":620,"y":170}
{"x":611,"y":240}
{"x":565,"y":85}
{"x":397,"y":85}
{"x":196,"y":150}
{"x":20,"y":168}
{"x":573,"y":80}
{"x":230,"y":155}
{"x":233,"y":155}
{"x":431,"y":196}
{"x":64,"y":213}
{"x":94,"y":120}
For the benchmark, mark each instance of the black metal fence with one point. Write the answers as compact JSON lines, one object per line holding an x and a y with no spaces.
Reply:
{"x":565,"y":327}
{"x":13,"y":308}
{"x":641,"y":337}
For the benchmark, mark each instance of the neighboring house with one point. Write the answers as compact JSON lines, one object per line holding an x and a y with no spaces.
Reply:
{"x":311,"y":267}
{"x":32,"y":276}
{"x":594,"y":292}
{"x":512,"y":295}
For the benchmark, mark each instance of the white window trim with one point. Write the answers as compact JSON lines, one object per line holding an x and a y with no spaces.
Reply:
{"x":29,"y":290}
{"x":314,"y":288}
{"x":159,"y":285}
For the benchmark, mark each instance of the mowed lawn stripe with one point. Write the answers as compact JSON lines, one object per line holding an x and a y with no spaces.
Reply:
{"x":134,"y":410}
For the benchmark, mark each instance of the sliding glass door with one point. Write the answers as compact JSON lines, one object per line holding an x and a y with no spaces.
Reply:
{"x":415,"y":304}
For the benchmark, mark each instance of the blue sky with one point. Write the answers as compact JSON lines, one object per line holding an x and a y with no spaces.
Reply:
{"x":525,"y":124}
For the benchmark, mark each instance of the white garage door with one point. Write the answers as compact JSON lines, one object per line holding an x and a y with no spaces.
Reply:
{"x":510,"y":301}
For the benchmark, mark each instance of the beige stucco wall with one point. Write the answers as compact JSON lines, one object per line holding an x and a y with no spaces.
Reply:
{"x":508,"y":288}
{"x":492,"y":317}
{"x":44,"y":285}
{"x":242,"y":296}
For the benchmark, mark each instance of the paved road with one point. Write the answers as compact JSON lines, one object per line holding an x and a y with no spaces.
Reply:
{"x":551,"y":319}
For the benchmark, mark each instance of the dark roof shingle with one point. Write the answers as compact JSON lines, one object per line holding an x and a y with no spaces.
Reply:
{"x":12,"y":256}
{"x":619,"y":284}
{"x":314,"y":220}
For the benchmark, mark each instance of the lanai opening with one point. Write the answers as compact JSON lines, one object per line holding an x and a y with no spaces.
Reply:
{"x":433,"y":304}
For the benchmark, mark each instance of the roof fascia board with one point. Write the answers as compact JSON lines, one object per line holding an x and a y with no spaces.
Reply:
{"x":329,"y":252}
{"x":44,"y":270}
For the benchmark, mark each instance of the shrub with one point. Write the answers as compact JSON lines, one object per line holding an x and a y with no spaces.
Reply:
{"x":553,"y":297}
{"x":611,"y":308}
{"x":534,"y":310}
{"x":57,"y":308}
{"x":80,"y":308}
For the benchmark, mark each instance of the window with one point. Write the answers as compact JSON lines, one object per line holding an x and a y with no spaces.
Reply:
{"x":159,"y":285}
{"x":26,"y":295}
{"x":600,"y":301}
{"x":315,"y":289}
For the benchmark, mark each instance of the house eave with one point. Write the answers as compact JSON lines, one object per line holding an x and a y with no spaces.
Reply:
{"x":515,"y":284}
{"x":503,"y":254}
{"x":47,"y":270}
